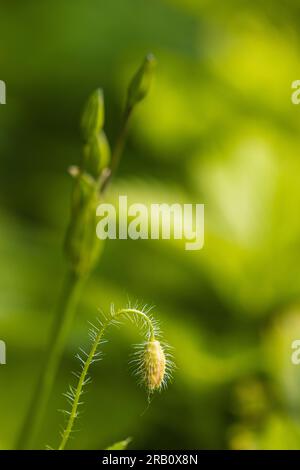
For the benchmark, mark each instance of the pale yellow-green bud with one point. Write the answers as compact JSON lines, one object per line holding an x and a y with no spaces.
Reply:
{"x":141,"y":82}
{"x":93,"y":115}
{"x":154,"y":365}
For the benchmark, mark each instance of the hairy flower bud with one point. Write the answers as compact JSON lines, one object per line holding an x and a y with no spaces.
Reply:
{"x":140,"y":83}
{"x":93,"y":115}
{"x":154,"y":362}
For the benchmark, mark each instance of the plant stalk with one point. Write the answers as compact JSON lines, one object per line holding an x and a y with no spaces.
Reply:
{"x":92,"y":124}
{"x":64,"y":316}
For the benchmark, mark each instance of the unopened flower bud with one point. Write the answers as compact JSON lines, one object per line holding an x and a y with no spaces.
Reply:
{"x":93,"y":115}
{"x":96,"y":155}
{"x":81,"y":245}
{"x":154,"y":365}
{"x":140,"y":83}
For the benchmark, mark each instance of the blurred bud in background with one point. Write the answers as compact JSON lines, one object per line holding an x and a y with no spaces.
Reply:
{"x":81,"y":245}
{"x":92,"y":120}
{"x":141,"y":82}
{"x":96,"y":154}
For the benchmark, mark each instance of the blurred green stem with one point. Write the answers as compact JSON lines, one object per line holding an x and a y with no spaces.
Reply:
{"x":64,"y":316}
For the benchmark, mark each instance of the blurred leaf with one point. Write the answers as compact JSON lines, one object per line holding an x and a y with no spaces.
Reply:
{"x":121,"y":445}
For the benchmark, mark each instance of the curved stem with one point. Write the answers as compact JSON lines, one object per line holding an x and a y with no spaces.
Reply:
{"x":125,"y":311}
{"x":83,"y":376}
{"x":63,"y":320}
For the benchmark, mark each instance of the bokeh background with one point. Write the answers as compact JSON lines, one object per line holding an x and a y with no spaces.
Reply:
{"x":217,"y":128}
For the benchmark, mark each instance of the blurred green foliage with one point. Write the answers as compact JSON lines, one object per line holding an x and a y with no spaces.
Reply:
{"x":217,"y":128}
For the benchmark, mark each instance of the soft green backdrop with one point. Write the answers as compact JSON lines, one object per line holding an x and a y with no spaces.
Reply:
{"x":218,"y":127}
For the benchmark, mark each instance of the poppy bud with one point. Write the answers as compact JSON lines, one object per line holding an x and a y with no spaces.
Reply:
{"x":154,"y":365}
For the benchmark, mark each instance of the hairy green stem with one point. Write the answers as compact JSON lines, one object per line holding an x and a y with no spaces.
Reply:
{"x":83,"y":376}
{"x":64,"y":316}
